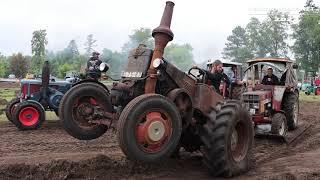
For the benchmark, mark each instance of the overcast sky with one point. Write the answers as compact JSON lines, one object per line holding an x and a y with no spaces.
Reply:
{"x":205,"y":24}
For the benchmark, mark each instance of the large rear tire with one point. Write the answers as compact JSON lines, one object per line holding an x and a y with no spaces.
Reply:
{"x":291,"y":108}
{"x":10,"y":108}
{"x":149,"y":128}
{"x":72,"y":118}
{"x":228,"y":138}
{"x":28,"y":115}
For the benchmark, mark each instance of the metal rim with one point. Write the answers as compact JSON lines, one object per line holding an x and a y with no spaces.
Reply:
{"x":82,"y":110}
{"x":13,"y":107}
{"x":238,"y":142}
{"x":282,"y":128}
{"x":295,"y":114}
{"x":29,"y":116}
{"x":153,"y":130}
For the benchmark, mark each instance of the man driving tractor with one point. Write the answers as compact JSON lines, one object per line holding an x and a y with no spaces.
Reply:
{"x":93,"y":64}
{"x":270,"y":78}
{"x":215,"y":74}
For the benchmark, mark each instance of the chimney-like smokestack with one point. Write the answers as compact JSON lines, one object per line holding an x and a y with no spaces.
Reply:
{"x":165,"y":23}
{"x":162,"y":35}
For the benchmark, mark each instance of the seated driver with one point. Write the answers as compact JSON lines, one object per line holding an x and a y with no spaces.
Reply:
{"x":93,"y":64}
{"x":215,"y":75}
{"x":270,"y":78}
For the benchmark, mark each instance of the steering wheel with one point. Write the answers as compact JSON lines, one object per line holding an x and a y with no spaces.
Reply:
{"x":201,"y":77}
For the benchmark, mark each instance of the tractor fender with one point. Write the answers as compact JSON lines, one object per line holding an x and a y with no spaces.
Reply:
{"x":277,"y":97}
{"x":173,"y":94}
{"x":92,"y":81}
{"x":36,"y":103}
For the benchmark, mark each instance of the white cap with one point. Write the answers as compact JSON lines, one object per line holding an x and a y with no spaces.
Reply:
{"x":210,"y":61}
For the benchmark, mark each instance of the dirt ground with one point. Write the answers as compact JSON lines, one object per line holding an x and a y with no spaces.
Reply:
{"x":50,"y":153}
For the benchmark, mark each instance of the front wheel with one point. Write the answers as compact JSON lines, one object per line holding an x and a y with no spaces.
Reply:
{"x":81,"y":105}
{"x":149,"y":128}
{"x":228,"y":137}
{"x":279,"y":124}
{"x":28,"y":116}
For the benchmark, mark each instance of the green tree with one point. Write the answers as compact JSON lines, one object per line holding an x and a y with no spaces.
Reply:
{"x":62,"y":69}
{"x":19,"y":65}
{"x":180,"y":55}
{"x":90,"y":44}
{"x":139,"y":36}
{"x":307,"y":37}
{"x":115,"y":60}
{"x":274,"y":33}
{"x":38,"y":49}
{"x":256,"y":43}
{"x":237,"y":46}
{"x":73,"y":48}
{"x":4,"y":64}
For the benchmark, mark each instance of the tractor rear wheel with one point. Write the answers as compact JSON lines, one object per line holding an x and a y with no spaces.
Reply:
{"x":228,"y":137}
{"x":291,"y":108}
{"x":149,"y":128}
{"x":279,"y":124}
{"x":10,"y":108}
{"x":78,"y":107}
{"x":28,"y":115}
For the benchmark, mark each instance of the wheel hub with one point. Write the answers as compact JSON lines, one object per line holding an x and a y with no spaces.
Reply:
{"x":153,"y":131}
{"x":234,"y":140}
{"x":156,"y":130}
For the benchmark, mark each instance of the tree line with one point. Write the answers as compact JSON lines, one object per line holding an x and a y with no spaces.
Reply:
{"x":70,"y":58}
{"x":271,"y":37}
{"x":274,"y":36}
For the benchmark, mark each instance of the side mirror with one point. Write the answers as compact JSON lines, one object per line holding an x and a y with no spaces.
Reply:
{"x":295,"y":66}
{"x":104,"y":67}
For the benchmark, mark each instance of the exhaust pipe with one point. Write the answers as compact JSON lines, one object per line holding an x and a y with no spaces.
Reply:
{"x":162,"y":35}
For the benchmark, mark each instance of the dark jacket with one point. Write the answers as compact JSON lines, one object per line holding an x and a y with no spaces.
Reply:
{"x":93,"y":67}
{"x":216,"y":78}
{"x":273,"y":80}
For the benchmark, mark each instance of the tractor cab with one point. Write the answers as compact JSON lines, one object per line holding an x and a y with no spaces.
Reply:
{"x":274,"y":107}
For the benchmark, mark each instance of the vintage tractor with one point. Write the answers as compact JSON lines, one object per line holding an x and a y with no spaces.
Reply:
{"x":159,"y":109}
{"x":274,"y":108}
{"x":314,"y":87}
{"x":27,"y":111}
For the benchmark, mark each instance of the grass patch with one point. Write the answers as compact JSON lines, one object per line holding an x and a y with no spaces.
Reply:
{"x":8,"y":93}
{"x":309,"y":98}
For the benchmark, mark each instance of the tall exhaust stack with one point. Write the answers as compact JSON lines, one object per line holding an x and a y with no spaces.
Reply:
{"x":162,"y":35}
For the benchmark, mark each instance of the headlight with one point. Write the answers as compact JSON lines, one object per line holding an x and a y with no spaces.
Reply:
{"x":252,"y":111}
{"x":157,"y":62}
{"x":256,"y":105}
{"x":103,"y":67}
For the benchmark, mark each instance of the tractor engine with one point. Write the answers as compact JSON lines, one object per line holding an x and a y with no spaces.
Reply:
{"x":55,"y":98}
{"x":258,"y":103}
{"x":133,"y":77}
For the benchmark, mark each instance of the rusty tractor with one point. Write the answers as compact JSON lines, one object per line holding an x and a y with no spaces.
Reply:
{"x":274,"y":108}
{"x":158,"y":109}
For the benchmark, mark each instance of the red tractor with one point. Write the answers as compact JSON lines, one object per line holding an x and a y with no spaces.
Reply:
{"x":274,"y":108}
{"x":159,"y":109}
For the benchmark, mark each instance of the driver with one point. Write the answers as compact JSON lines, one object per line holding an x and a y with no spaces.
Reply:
{"x":93,"y":64}
{"x":215,"y":75}
{"x":270,"y":78}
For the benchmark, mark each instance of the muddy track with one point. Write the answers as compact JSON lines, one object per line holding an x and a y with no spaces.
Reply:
{"x":50,"y":153}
